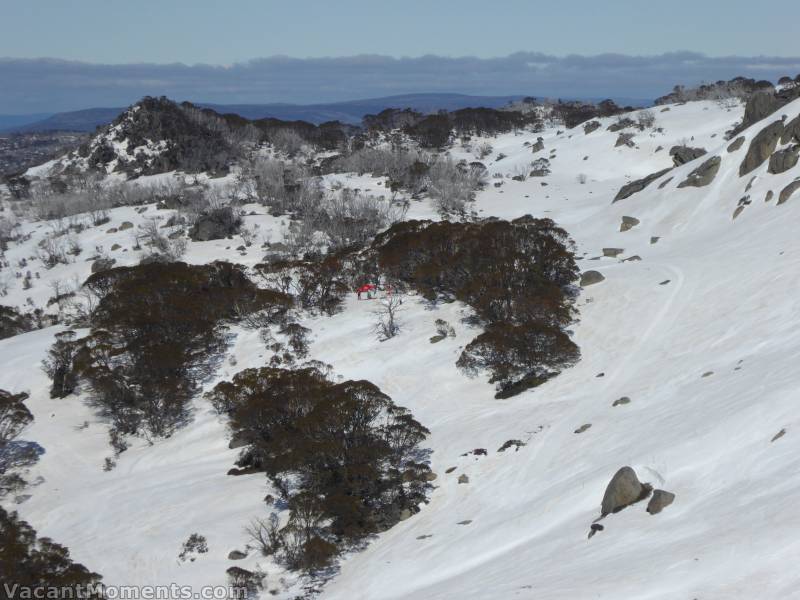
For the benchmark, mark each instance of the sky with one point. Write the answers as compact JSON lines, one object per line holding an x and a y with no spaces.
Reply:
{"x":212,"y":50}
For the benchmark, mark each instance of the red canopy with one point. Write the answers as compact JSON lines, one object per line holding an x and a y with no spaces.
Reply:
{"x":366,"y":287}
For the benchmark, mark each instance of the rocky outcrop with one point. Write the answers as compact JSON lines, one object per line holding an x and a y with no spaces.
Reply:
{"x":591,"y":126}
{"x":613,"y":252}
{"x":538,"y":146}
{"x":625,"y":139}
{"x":590,"y":278}
{"x":702,"y":175}
{"x":623,"y":490}
{"x":660,"y":500}
{"x":629,"y":189}
{"x":783,"y":160}
{"x":684,"y":154}
{"x":215,"y":225}
{"x":791,"y":132}
{"x":736,"y":144}
{"x":761,"y":147}
{"x":628,"y":223}
{"x":788,"y":191}
{"x":103,"y":264}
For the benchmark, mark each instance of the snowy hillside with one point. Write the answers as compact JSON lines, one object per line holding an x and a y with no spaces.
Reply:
{"x":696,"y":323}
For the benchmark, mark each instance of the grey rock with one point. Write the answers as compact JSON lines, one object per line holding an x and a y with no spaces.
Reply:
{"x":613,"y":252}
{"x":623,"y":490}
{"x":103,"y":264}
{"x":216,"y":224}
{"x":783,"y":160}
{"x":582,"y":428}
{"x":788,"y":191}
{"x":660,"y":500}
{"x":126,"y":225}
{"x":622,"y":401}
{"x":704,"y":174}
{"x":791,"y":131}
{"x":463,"y":479}
{"x":236,"y":555}
{"x":625,"y":139}
{"x":759,"y":106}
{"x":736,"y":144}
{"x":654,"y":239}
{"x":538,"y":146}
{"x":684,"y":154}
{"x":591,"y":126}
{"x":628,"y":223}
{"x":761,"y":147}
{"x":778,"y":435}
{"x":665,"y":183}
{"x":769,"y":196}
{"x":629,"y":189}
{"x":405,"y":514}
{"x":590,"y":278}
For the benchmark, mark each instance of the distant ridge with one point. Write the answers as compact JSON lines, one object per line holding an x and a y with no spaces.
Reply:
{"x":347,"y":112}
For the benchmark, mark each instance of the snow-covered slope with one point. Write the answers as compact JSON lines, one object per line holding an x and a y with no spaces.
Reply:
{"x":701,"y":334}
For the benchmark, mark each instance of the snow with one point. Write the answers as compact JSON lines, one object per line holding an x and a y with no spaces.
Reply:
{"x":730,"y":308}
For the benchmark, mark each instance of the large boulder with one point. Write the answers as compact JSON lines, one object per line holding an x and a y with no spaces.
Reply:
{"x":736,"y":144}
{"x":629,"y":189}
{"x":591,"y":126}
{"x":660,"y":500}
{"x":704,"y":174}
{"x":761,"y":147}
{"x":590,"y":278}
{"x":791,"y":132}
{"x":783,"y":160}
{"x":216,"y":224}
{"x":684,"y":154}
{"x":623,"y":490}
{"x":788,"y":191}
{"x":759,"y":106}
{"x":628,"y":223}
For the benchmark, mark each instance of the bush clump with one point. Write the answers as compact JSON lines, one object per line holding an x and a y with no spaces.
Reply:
{"x":345,"y":458}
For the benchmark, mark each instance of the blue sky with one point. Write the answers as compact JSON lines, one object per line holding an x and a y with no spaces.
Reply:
{"x":58,"y":55}
{"x":217,"y":32}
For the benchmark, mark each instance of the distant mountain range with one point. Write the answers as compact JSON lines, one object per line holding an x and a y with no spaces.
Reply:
{"x":347,"y":112}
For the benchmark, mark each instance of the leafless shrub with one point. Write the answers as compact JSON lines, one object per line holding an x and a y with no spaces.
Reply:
{"x":388,"y":325}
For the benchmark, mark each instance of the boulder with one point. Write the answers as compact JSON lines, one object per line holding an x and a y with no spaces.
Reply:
{"x":791,"y":132}
{"x":216,"y":224}
{"x":236,"y":555}
{"x":538,"y":146}
{"x":628,"y":223}
{"x":704,"y":174}
{"x":623,"y":490}
{"x":463,"y":479}
{"x":629,"y":189}
{"x":736,"y":144}
{"x":590,"y":278}
{"x":783,"y":160}
{"x":103,"y":264}
{"x":684,"y":154}
{"x":591,"y":126}
{"x":625,"y":139}
{"x":787,"y":192}
{"x":660,"y":500}
{"x":761,"y":147}
{"x":613,"y":252}
{"x":621,"y":401}
{"x":126,"y":225}
{"x":769,"y":196}
{"x":582,"y":428}
{"x":759,"y":106}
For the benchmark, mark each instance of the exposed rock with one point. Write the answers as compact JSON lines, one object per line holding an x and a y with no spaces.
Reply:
{"x":778,"y":435}
{"x":590,"y":278}
{"x":464,"y":522}
{"x":665,"y":183}
{"x":591,"y":126}
{"x":583,"y":428}
{"x":704,"y":174}
{"x":126,"y":225}
{"x":594,"y":528}
{"x":736,"y":144}
{"x":236,"y":555}
{"x":625,"y":139}
{"x":538,"y":146}
{"x":115,"y":247}
{"x":660,"y":500}
{"x":450,"y":470}
{"x":761,"y":147}
{"x":708,"y":374}
{"x":791,"y":131}
{"x":216,"y":224}
{"x":516,"y":444}
{"x":613,"y":252}
{"x":628,"y":223}
{"x":623,"y":490}
{"x":112,"y":230}
{"x":634,"y":258}
{"x":463,"y":479}
{"x":684,"y":154}
{"x":622,"y":123}
{"x":622,"y":401}
{"x":665,"y":282}
{"x":405,"y":514}
{"x":437,"y":338}
{"x":430,"y":476}
{"x":654,"y":239}
{"x":103,"y":264}
{"x":769,"y":196}
{"x":783,"y":160}
{"x":787,"y":192}
{"x":629,"y":189}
